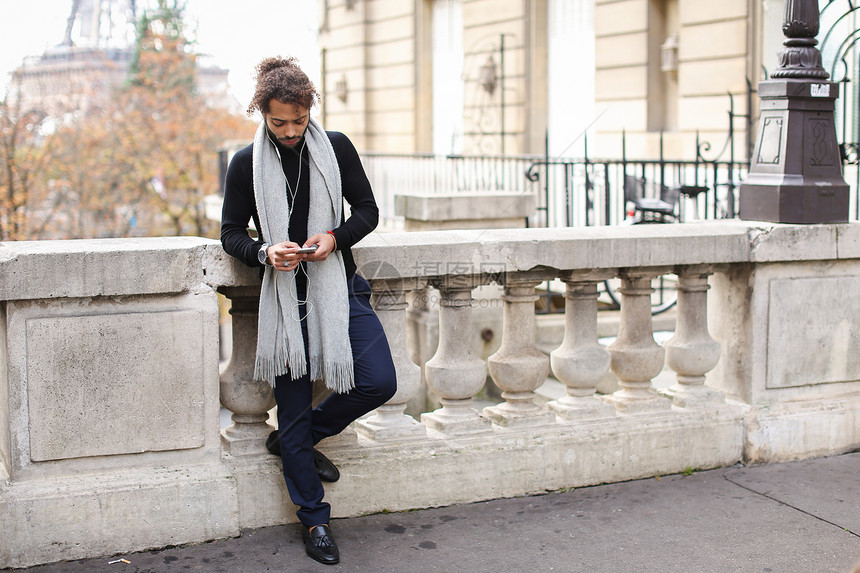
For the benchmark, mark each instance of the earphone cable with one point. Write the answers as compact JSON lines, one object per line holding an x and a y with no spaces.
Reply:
{"x":298,"y":302}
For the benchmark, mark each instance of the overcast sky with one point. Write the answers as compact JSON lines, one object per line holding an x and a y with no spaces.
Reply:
{"x":237,"y":34}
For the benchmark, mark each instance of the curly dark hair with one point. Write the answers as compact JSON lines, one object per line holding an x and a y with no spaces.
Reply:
{"x":283,"y":80}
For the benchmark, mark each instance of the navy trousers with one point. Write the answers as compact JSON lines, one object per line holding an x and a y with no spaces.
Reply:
{"x":300,"y":426}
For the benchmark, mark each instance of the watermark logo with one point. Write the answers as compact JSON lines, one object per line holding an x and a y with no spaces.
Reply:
{"x":385,"y":278}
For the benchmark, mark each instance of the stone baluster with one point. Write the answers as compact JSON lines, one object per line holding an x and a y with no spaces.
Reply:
{"x":691,"y":352}
{"x":518,"y":367}
{"x":455,"y":373}
{"x":635,"y":357}
{"x":422,"y":337}
{"x":580,"y":362}
{"x":389,"y":421}
{"x":249,"y":400}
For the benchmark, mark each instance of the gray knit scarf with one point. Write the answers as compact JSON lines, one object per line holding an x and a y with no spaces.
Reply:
{"x":280,"y":345}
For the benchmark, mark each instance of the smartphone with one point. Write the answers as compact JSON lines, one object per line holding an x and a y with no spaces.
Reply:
{"x":307,"y":250}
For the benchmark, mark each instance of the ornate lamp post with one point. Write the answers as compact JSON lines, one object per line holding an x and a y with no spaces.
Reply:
{"x":795,"y":172}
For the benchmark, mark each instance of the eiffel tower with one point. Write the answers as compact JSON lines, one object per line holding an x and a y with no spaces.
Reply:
{"x":101,"y":23}
{"x":92,"y":58}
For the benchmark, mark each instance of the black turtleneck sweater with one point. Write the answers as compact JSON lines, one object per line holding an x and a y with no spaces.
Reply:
{"x":240,"y":206}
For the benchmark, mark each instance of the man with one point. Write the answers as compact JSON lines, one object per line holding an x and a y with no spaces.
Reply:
{"x":315,"y":319}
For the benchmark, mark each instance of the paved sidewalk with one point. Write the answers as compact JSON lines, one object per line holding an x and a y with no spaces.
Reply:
{"x":799,"y":517}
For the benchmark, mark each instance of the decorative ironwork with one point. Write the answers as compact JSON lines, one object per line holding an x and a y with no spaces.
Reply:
{"x":484,"y":117}
{"x":850,"y":153}
{"x":840,"y":50}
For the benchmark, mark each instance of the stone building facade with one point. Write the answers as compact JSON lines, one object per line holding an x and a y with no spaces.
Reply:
{"x":506,"y":76}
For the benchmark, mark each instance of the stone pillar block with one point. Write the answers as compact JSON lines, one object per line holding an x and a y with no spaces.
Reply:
{"x":445,"y":211}
{"x":110,"y":420}
{"x":90,"y":378}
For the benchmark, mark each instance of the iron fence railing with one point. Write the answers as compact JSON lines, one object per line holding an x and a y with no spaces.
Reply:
{"x":568,"y":192}
{"x":428,"y":174}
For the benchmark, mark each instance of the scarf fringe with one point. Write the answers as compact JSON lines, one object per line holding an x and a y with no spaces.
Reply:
{"x":285,"y":362}
{"x":338,"y":376}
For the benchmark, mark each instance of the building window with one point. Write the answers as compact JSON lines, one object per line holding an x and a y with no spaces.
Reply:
{"x":448,"y":58}
{"x":571,"y":88}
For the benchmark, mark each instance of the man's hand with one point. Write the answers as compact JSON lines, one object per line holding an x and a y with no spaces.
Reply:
{"x":283,"y":256}
{"x":326,"y":244}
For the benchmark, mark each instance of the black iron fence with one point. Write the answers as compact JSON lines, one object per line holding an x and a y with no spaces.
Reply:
{"x":428,"y":174}
{"x":567,"y":192}
{"x":592,"y":192}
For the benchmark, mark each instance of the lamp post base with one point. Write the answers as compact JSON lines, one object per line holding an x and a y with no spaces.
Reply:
{"x":795,"y":173}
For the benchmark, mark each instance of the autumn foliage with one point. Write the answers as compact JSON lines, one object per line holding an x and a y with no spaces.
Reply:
{"x":137,"y":162}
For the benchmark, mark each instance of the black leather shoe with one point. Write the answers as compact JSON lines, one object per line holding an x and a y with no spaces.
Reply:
{"x":327,"y":471}
{"x":325,"y":468}
{"x":320,"y":545}
{"x":273,"y":444}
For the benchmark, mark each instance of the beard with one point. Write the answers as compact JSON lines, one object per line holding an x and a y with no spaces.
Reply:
{"x":286,"y":143}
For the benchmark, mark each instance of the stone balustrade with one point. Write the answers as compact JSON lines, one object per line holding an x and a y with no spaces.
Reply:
{"x":110,"y":389}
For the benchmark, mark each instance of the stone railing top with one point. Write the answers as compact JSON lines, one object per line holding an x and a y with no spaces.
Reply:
{"x":99,"y":267}
{"x":111,"y":267}
{"x":116,"y":267}
{"x":773,"y":242}
{"x":424,"y":254}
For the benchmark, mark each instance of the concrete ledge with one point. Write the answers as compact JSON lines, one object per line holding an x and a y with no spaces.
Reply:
{"x":108,"y":267}
{"x":505,"y":462}
{"x":262,"y":492}
{"x":802,"y":429}
{"x":773,"y":242}
{"x":114,"y":267}
{"x":76,"y":517}
{"x":103,"y":267}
